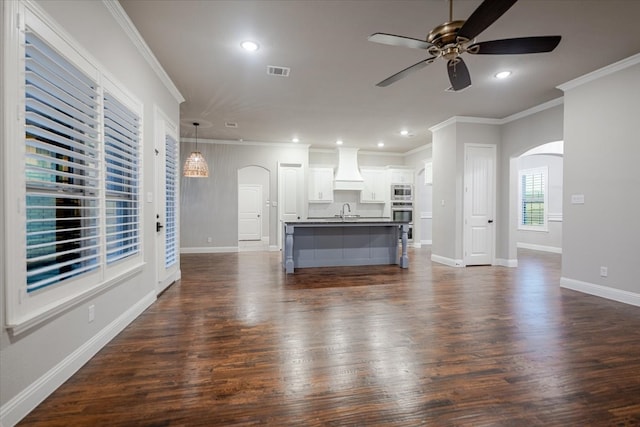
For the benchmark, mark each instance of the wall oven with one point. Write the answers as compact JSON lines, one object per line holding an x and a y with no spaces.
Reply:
{"x":401,"y":192}
{"x":403,"y":211}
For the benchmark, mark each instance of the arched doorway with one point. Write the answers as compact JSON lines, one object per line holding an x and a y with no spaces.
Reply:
{"x":536,"y":198}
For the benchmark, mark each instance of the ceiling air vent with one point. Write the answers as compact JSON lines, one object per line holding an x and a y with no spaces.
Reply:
{"x":231,"y":124}
{"x":274,"y":70}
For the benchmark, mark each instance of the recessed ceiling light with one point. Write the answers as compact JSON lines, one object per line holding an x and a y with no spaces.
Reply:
{"x":339,"y":142}
{"x":380,"y":144}
{"x":503,"y":74}
{"x":295,"y":140}
{"x":404,"y":132}
{"x":249,"y":45}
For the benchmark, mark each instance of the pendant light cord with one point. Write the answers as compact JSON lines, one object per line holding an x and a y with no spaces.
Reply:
{"x":196,"y":125}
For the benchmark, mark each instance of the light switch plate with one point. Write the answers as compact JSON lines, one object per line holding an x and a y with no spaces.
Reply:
{"x":577,"y":199}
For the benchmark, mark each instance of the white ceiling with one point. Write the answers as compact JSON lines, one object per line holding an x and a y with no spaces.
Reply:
{"x":331,"y":92}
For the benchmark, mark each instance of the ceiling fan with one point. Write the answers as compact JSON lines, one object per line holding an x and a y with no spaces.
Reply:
{"x":451,"y":39}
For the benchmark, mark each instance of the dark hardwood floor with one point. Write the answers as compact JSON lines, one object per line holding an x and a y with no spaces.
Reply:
{"x":238,"y":343}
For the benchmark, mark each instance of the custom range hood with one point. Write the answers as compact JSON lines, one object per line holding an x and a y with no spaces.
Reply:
{"x":348,"y":175}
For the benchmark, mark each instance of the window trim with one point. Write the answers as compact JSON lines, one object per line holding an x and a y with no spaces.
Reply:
{"x":544,"y":170}
{"x":23,"y":310}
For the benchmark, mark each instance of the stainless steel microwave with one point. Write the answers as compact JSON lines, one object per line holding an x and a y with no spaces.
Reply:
{"x":401,"y":192}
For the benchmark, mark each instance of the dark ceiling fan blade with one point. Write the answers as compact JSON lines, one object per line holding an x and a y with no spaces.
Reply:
{"x":458,"y":74}
{"x":404,"y":73}
{"x":515,"y":46}
{"x":485,"y":15}
{"x":393,"y":40}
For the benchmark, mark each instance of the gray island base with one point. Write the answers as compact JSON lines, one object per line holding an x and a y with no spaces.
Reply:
{"x":343,"y":243}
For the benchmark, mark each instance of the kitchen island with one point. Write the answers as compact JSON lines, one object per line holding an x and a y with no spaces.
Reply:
{"x":337,"y":242}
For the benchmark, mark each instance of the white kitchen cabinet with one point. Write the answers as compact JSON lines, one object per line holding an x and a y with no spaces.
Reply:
{"x":320,"y":185}
{"x":376,"y":189}
{"x":400,"y":176}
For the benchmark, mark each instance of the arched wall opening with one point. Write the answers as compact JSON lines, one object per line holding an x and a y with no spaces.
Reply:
{"x":544,"y":161}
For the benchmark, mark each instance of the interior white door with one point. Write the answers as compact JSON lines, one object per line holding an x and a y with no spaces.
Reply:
{"x":166,"y":202}
{"x":479,"y":204}
{"x":249,"y":212}
{"x":290,"y":194}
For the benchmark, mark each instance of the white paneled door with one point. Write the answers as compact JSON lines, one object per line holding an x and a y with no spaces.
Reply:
{"x":166,"y":202}
{"x":290,"y":194}
{"x":250,"y":212}
{"x":479,"y":204}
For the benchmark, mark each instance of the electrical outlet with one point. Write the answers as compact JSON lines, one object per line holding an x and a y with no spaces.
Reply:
{"x":209,"y":239}
{"x":92,"y":313}
{"x":604,"y":271}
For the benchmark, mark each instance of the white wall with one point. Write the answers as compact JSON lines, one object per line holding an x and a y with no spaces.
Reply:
{"x":209,"y":206}
{"x":449,"y":141}
{"x":35,"y":362}
{"x":601,"y":154}
{"x":518,"y":136}
{"x":445,"y":177}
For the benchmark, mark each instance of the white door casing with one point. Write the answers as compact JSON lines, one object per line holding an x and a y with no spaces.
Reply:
{"x":249,"y":212}
{"x":479,"y":204}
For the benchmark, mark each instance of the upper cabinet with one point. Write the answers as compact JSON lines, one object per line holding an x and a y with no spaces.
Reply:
{"x":400,"y":176}
{"x":376,"y":188}
{"x":320,"y":185}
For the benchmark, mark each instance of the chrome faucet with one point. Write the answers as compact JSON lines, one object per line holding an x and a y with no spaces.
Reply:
{"x":342,"y":211}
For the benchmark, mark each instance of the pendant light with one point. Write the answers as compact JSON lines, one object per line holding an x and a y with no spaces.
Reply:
{"x":196,"y":166}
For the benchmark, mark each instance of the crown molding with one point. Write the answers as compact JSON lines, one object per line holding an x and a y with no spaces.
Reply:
{"x":465,"y":119}
{"x":418,"y":149}
{"x":360,"y":151}
{"x":602,"y":72}
{"x":246,"y":143}
{"x":533,"y":110}
{"x":130,"y":29}
{"x":487,"y":121}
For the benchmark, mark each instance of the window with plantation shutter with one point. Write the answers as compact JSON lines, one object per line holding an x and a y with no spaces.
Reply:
{"x":62,"y":168}
{"x":533,"y":199}
{"x":122,"y":180}
{"x":171,"y":202}
{"x":74,"y":141}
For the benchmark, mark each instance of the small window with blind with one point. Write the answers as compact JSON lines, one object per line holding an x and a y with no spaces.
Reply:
{"x":533,"y":192}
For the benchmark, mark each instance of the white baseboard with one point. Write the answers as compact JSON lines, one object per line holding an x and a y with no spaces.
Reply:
{"x":169,"y":280}
{"x":607,"y":292}
{"x":274,"y":248}
{"x":447,"y":261}
{"x":209,"y":250}
{"x":542,"y":248}
{"x":19,"y":406}
{"x":506,"y":262}
{"x":426,"y":242}
{"x":417,"y":245}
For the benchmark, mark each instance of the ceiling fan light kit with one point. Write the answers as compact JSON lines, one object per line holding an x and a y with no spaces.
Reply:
{"x":451,"y":39}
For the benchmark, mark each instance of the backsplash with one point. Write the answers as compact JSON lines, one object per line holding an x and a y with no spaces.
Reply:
{"x":325,"y":210}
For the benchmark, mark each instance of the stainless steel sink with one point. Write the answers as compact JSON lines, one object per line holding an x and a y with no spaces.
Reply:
{"x":349,"y":217}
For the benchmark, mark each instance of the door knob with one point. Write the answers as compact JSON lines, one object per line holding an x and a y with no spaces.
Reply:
{"x":490,"y":221}
{"x":159,"y":226}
